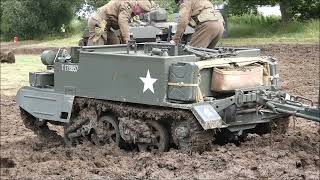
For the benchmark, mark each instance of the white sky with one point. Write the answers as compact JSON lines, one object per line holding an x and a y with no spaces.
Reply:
{"x":269,"y":11}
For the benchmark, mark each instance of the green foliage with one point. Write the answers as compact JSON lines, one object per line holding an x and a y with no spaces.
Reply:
{"x":29,"y":19}
{"x":252,"y":26}
{"x":305,"y":9}
{"x":240,"y":7}
{"x":293,"y":9}
{"x":97,"y":3}
{"x":250,"y":19}
{"x":170,"y":5}
{"x":77,"y":26}
{"x":16,"y":18}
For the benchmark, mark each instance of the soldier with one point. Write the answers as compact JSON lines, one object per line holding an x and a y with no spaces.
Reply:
{"x":201,"y":15}
{"x":113,"y":16}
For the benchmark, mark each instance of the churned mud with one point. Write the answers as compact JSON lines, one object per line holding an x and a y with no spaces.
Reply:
{"x":295,"y":155}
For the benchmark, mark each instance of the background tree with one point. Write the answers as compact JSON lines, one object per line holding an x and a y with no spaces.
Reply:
{"x":32,"y":18}
{"x":299,"y":9}
{"x":96,"y":3}
{"x":170,"y":5}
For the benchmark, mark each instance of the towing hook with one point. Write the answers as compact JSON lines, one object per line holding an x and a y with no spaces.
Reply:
{"x":272,"y":107}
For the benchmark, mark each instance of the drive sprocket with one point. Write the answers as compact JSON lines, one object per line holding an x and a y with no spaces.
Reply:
{"x":40,"y":128}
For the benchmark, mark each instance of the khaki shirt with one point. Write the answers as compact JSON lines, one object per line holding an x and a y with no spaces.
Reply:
{"x":188,"y":9}
{"x":117,"y":13}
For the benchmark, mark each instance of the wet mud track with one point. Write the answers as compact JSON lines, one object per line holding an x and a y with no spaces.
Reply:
{"x":294,"y":155}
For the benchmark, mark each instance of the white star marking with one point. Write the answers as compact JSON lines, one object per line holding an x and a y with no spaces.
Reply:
{"x":148,"y":82}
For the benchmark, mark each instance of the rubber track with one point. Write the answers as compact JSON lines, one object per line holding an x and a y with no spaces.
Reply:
{"x":42,"y":131}
{"x":200,"y":140}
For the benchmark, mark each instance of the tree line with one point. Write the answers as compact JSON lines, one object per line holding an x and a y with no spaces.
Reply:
{"x":29,"y":19}
{"x":290,"y":9}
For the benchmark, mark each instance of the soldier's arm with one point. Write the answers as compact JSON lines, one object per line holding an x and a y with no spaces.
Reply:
{"x":123,"y":20}
{"x":184,"y":18}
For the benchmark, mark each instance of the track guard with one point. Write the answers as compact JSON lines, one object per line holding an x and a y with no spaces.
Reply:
{"x":45,"y":103}
{"x":207,"y":116}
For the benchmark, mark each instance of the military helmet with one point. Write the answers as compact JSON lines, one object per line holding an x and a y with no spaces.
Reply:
{"x":145,"y":5}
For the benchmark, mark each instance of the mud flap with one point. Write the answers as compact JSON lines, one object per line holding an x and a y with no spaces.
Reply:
{"x":207,"y":116}
{"x":45,"y":103}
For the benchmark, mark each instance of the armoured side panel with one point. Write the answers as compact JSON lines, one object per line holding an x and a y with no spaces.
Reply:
{"x":45,"y":103}
{"x":117,"y":77}
{"x":41,"y":79}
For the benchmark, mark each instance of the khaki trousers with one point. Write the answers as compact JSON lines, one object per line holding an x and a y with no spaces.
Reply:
{"x":207,"y":34}
{"x":108,"y":38}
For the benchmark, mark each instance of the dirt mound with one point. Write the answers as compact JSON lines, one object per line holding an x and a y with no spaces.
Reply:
{"x":28,"y":50}
{"x":6,"y":163}
{"x":25,"y":47}
{"x":294,"y":155}
{"x":7,"y":57}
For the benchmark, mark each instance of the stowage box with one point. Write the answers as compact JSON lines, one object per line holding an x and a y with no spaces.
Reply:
{"x":41,"y":79}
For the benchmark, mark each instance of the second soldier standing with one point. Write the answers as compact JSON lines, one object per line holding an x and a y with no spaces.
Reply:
{"x":201,"y":15}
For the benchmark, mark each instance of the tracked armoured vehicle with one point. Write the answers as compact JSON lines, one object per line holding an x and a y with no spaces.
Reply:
{"x":153,"y":96}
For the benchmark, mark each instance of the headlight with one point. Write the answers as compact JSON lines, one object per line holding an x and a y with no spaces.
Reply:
{"x":48,"y":56}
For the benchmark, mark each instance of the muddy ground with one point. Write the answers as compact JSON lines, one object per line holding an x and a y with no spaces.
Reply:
{"x":294,"y":155}
{"x":25,"y":47}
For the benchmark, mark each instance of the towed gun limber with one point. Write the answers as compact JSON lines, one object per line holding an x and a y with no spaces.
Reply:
{"x":291,"y":105}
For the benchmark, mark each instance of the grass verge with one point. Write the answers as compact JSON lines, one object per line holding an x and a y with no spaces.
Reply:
{"x":242,"y":30}
{"x":251,"y":29}
{"x":14,"y":76}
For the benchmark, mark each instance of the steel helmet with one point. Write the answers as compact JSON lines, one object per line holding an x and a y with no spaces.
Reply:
{"x":145,"y":5}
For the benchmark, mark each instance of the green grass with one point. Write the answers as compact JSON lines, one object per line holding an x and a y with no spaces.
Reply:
{"x":243,"y":30}
{"x":66,"y":41}
{"x":14,"y":76}
{"x":250,"y":29}
{"x":70,"y":38}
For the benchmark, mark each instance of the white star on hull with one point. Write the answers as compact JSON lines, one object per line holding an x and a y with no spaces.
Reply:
{"x":148,"y":82}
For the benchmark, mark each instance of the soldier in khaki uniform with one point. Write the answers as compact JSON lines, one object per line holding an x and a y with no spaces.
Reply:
{"x":201,"y":15}
{"x":113,"y":16}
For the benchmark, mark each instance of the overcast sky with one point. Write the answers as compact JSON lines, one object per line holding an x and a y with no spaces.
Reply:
{"x":269,"y":11}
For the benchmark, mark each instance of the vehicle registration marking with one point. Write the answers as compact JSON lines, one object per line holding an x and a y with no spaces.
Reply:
{"x":70,"y":67}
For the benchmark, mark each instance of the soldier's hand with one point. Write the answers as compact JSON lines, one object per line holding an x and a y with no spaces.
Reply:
{"x":172,"y":42}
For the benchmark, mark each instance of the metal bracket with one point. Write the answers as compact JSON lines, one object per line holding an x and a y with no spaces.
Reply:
{"x":207,"y":116}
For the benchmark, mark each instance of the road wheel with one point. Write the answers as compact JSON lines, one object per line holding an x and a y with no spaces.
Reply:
{"x":106,"y":131}
{"x":277,"y":126}
{"x":30,"y":121}
{"x":160,"y":141}
{"x":281,"y":125}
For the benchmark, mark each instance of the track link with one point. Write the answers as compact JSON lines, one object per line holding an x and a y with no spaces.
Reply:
{"x":41,"y":129}
{"x":198,"y":139}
